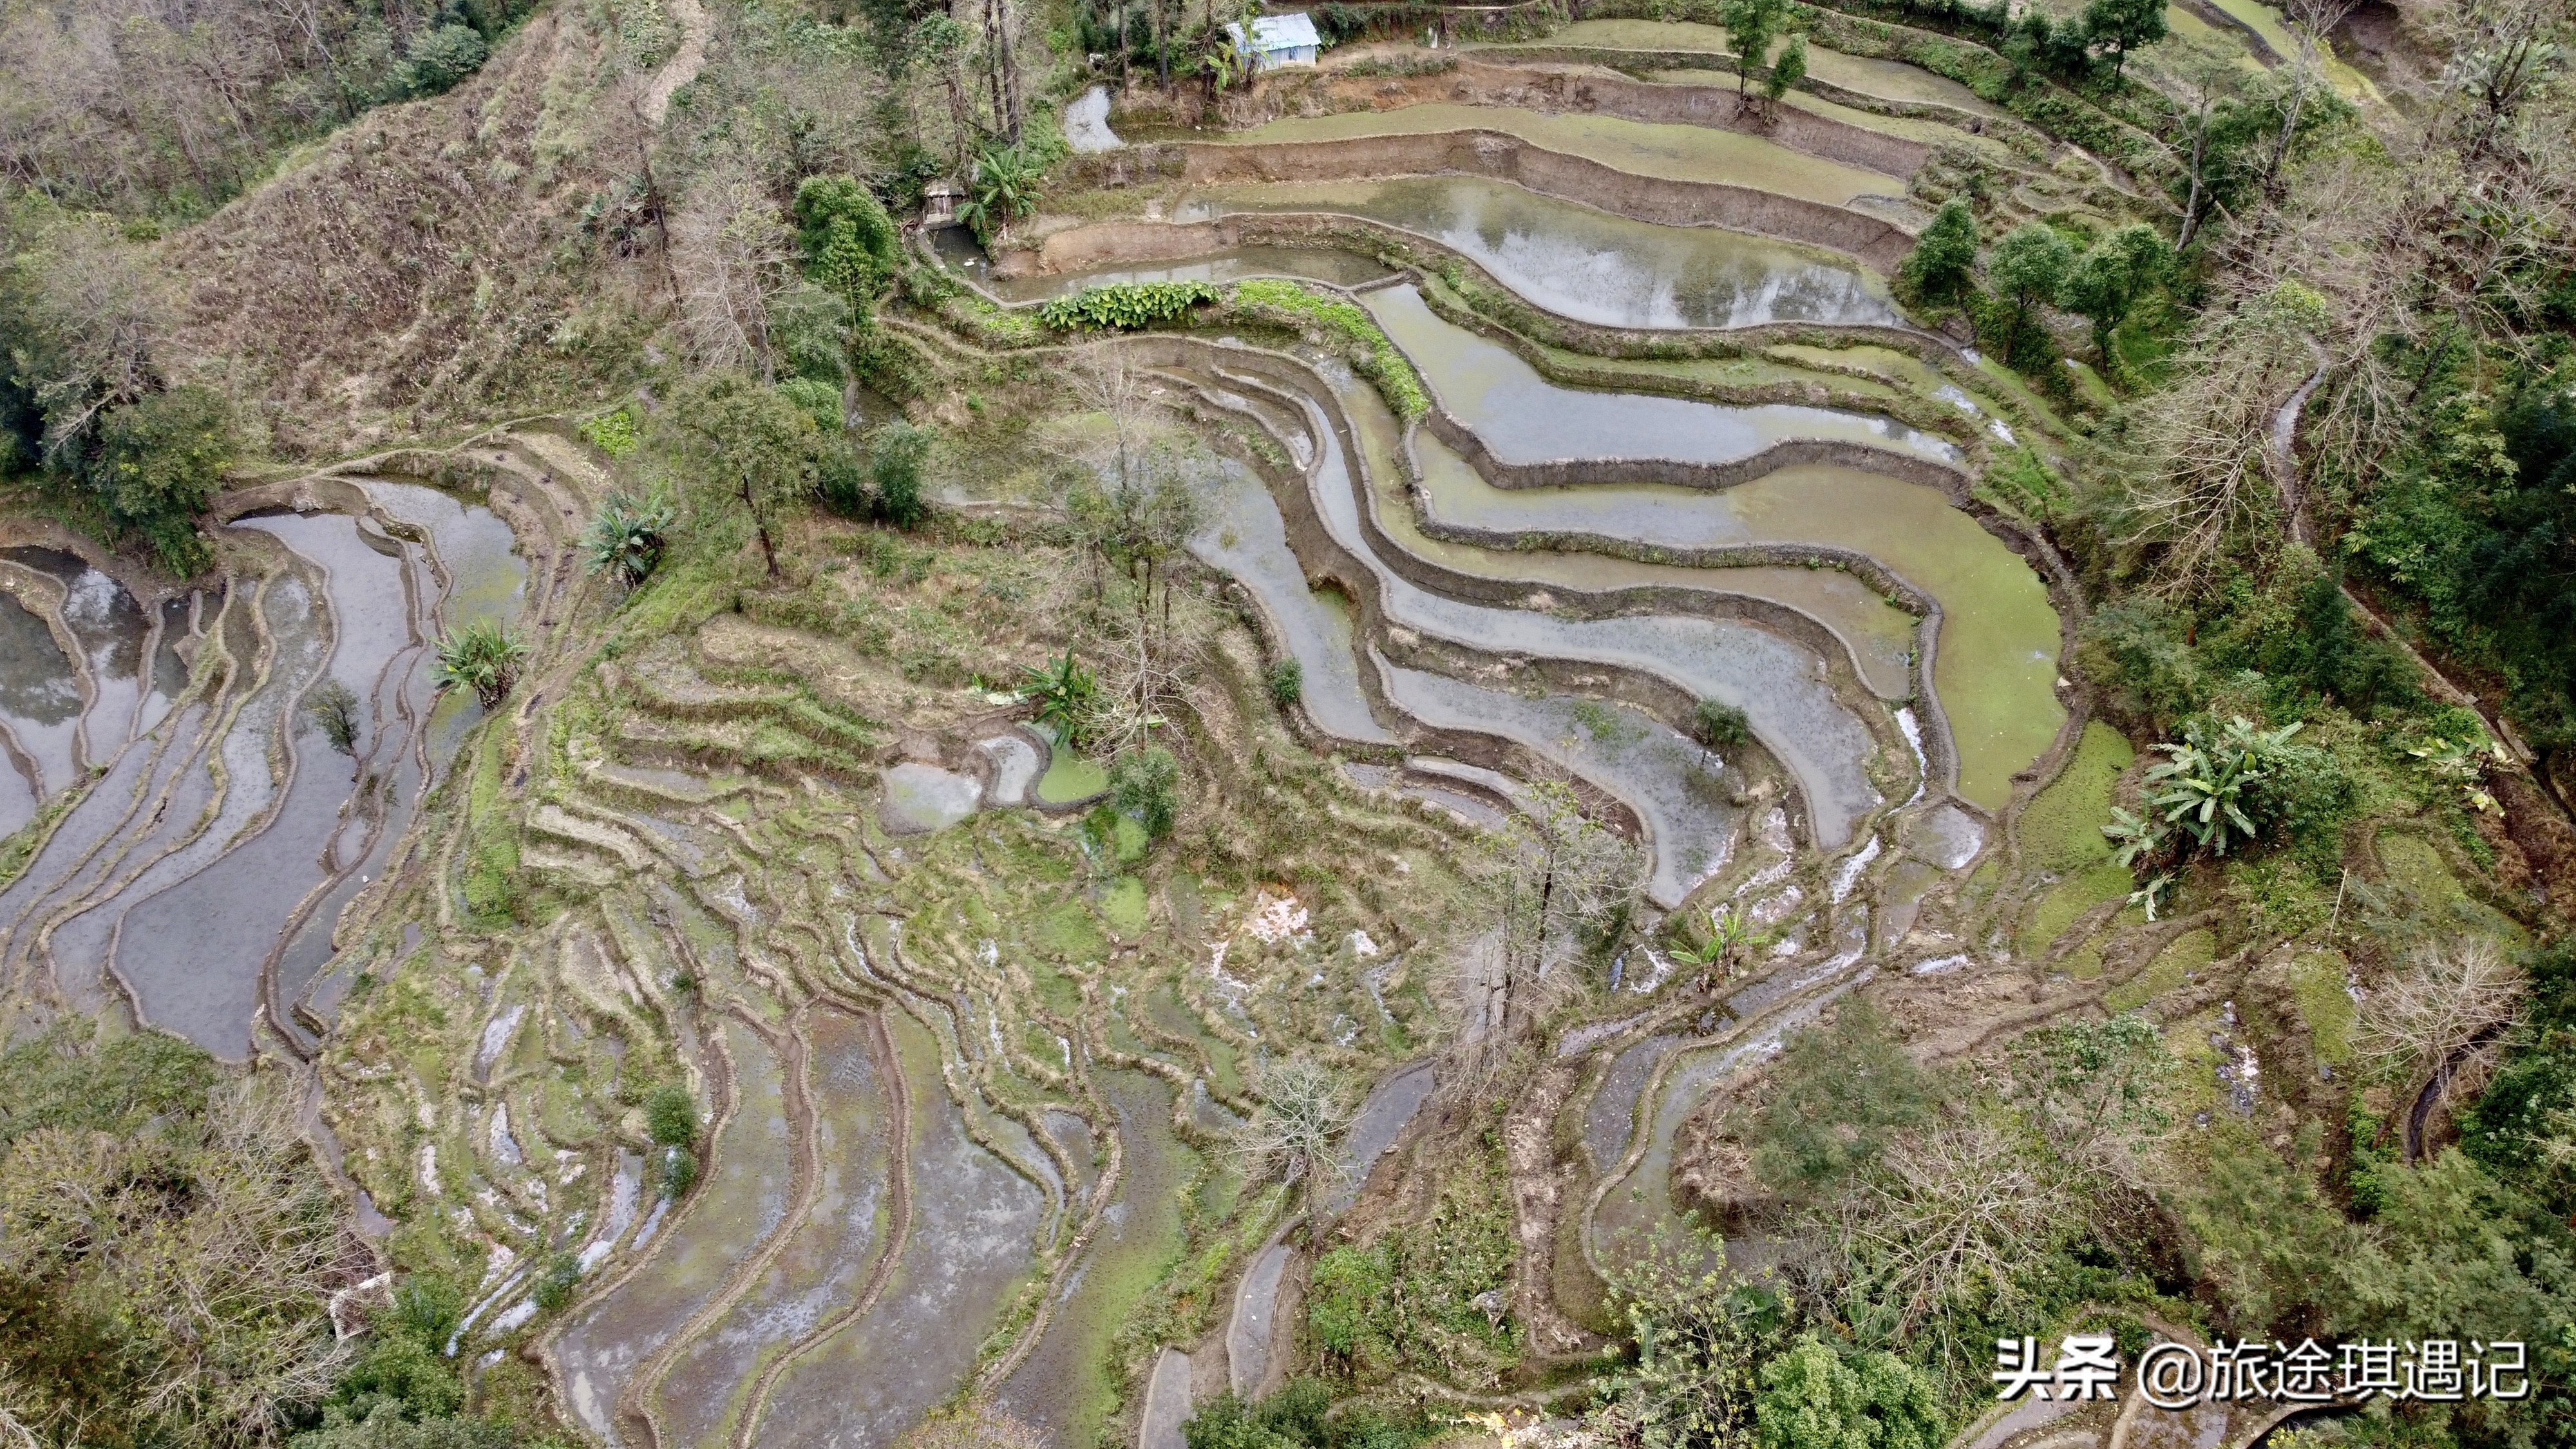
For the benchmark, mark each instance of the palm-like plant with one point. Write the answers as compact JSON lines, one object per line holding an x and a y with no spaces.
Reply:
{"x":2204,"y":784}
{"x":1065,"y":692}
{"x":628,"y":536}
{"x":483,"y":657}
{"x":1003,"y":188}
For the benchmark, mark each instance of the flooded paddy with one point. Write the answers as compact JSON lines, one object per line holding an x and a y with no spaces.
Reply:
{"x":1995,"y":667}
{"x":1886,"y":79}
{"x":1640,"y":148}
{"x":972,"y":1221}
{"x":1322,"y":264}
{"x":1524,"y":418}
{"x":1590,"y":265}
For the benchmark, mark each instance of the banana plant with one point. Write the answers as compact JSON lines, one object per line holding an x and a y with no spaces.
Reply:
{"x":1065,"y":692}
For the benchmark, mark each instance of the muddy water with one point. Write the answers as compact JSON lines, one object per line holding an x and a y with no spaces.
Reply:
{"x":111,"y":630}
{"x":1677,"y":789}
{"x":829,"y":1254}
{"x":193,"y":951}
{"x":1778,"y":684}
{"x":477,"y":548}
{"x":1879,"y":635}
{"x":1996,"y":665}
{"x":1592,"y":265}
{"x":1524,"y":418}
{"x":40,"y":702}
{"x":972,"y":1220}
{"x":1613,"y":1114}
{"x":1246,"y":537}
{"x":743,"y":1201}
{"x":1065,"y":1387}
{"x":1675,"y":152}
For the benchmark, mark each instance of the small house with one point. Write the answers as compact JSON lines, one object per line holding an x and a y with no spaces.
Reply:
{"x":939,"y":204}
{"x":1276,"y":40}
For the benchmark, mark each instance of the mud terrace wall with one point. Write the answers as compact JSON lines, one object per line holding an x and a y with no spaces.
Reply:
{"x":1549,"y":88}
{"x":1876,"y":242}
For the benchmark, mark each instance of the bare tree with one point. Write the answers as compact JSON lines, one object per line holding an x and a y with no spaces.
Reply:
{"x":732,"y":251}
{"x":1559,"y":882}
{"x":2457,"y":994}
{"x":1299,"y":1111}
{"x":2309,"y":23}
{"x":1958,"y":1210}
{"x":98,"y":309}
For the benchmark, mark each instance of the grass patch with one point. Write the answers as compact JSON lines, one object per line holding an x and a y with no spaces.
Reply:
{"x":1374,"y":357}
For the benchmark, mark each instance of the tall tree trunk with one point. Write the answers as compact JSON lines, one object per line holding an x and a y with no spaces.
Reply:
{"x":1162,"y":44}
{"x":760,"y":526}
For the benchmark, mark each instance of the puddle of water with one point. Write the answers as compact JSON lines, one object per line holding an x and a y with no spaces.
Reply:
{"x":1947,"y":837}
{"x":920,"y":798}
{"x":1086,"y":123}
{"x":972,"y":1218}
{"x":1015,"y":767}
{"x":1675,"y":152}
{"x":1382,"y":1119}
{"x":1070,"y":778}
{"x":742,"y":1202}
{"x":828,"y":1255}
{"x":1663,"y":777}
{"x":1524,"y":418}
{"x":1251,"y":1332}
{"x":1066,"y":1385}
{"x":1591,"y":265}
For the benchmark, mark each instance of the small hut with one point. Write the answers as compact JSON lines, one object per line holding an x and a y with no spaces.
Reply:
{"x":939,"y":204}
{"x":1276,"y":40}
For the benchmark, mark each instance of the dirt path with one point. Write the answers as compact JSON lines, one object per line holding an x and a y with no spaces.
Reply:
{"x":684,"y":64}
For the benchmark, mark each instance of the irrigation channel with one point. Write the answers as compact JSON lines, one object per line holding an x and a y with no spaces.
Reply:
{"x":1664,"y":462}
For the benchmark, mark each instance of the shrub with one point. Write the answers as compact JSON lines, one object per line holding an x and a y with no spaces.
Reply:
{"x":1287,"y":681}
{"x":671,"y":1115}
{"x":1815,"y":1398}
{"x":613,"y":433}
{"x":1721,"y":726}
{"x":555,"y":1285}
{"x":679,"y":1171}
{"x":817,"y":400}
{"x":1946,"y":253}
{"x":1126,"y":306}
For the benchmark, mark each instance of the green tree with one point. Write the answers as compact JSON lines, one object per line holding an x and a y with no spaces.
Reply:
{"x":1945,"y":256}
{"x":2030,"y":265}
{"x":628,"y":537}
{"x":750,"y":448}
{"x":1146,"y":783}
{"x":2100,"y":287}
{"x":2122,"y":26}
{"x":898,"y":455}
{"x":1788,"y":70}
{"x":481,"y":656}
{"x":1814,"y":1398}
{"x":333,"y":708}
{"x":850,"y":243}
{"x":161,"y":460}
{"x":1721,"y":726}
{"x":439,"y":58}
{"x":1751,"y":26}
